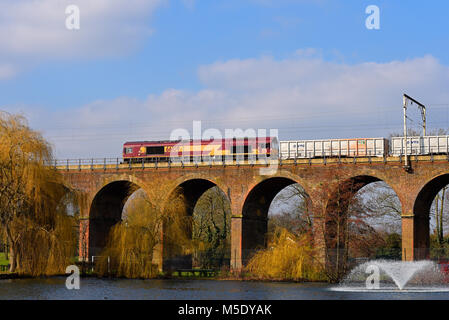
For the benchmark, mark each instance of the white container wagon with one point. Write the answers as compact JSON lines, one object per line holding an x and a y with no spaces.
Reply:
{"x":420,"y":145}
{"x":358,"y":147}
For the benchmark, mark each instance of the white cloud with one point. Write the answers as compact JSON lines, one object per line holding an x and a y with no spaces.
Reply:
{"x":304,"y":97}
{"x":307,"y":84}
{"x":33,"y":30}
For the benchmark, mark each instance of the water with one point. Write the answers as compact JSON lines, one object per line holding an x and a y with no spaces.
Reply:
{"x":100,"y":289}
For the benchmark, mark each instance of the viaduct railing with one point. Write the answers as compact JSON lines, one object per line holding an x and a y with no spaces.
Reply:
{"x":119,"y":163}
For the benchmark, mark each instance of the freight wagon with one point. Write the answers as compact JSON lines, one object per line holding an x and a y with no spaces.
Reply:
{"x":358,"y":147}
{"x":197,"y":150}
{"x":420,"y":145}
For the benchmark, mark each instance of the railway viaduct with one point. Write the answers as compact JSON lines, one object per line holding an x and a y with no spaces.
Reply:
{"x":250,"y":189}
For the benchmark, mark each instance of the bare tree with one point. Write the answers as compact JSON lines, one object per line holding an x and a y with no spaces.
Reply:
{"x":291,"y":210}
{"x":381,"y":206}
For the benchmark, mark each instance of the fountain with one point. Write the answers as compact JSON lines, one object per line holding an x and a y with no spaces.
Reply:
{"x":395,"y":276}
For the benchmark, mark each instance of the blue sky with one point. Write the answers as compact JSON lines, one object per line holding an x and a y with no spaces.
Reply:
{"x":138,"y":69}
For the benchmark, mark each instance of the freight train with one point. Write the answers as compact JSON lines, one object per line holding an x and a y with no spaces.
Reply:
{"x":364,"y":147}
{"x":269,"y":147}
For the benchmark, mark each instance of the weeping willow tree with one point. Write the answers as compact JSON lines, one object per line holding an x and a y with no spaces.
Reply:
{"x":288,"y":257}
{"x":39,"y":233}
{"x":134,"y":245}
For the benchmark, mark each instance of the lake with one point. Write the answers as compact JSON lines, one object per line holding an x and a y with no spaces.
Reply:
{"x":101,"y":289}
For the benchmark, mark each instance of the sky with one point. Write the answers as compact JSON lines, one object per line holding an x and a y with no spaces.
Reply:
{"x":139,"y":69}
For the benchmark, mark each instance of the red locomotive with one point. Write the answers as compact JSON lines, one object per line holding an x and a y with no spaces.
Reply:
{"x":195,"y":150}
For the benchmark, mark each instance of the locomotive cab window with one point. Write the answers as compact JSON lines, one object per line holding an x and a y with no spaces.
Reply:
{"x":155,"y":150}
{"x":128,"y":150}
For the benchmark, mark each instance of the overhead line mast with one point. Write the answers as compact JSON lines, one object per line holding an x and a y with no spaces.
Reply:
{"x":422,"y":108}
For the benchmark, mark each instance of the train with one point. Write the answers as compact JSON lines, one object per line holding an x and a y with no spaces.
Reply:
{"x":197,"y":150}
{"x":358,"y":147}
{"x":271,"y":148}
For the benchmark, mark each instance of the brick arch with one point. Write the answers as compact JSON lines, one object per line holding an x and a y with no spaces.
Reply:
{"x":421,"y":214}
{"x":303,"y":182}
{"x":73,"y":196}
{"x":336,"y":209}
{"x":106,"y":210}
{"x":336,"y":213}
{"x":114,"y":178}
{"x":255,"y":209}
{"x":347,"y":188}
{"x":191,"y":188}
{"x":61,"y":190}
{"x":203,"y":183}
{"x":426,"y":195}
